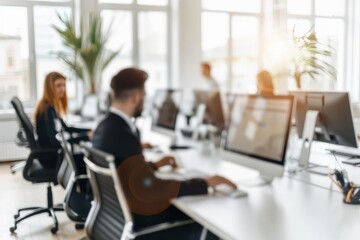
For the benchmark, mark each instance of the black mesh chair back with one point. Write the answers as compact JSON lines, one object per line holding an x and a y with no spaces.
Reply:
{"x":110,"y":216}
{"x":106,"y":220}
{"x":25,"y":122}
{"x":20,"y":139}
{"x":68,"y":167}
{"x":78,"y":195}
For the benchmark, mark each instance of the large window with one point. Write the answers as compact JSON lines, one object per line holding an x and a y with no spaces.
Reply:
{"x":47,"y":44}
{"x":142,"y":34}
{"x":14,"y":55}
{"x":231,"y":31}
{"x":328,"y":18}
{"x":27,"y":47}
{"x":121,"y":39}
{"x":29,"y":44}
{"x":234,"y":40}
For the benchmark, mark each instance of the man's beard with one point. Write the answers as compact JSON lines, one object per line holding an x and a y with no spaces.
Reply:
{"x":138,"y":110}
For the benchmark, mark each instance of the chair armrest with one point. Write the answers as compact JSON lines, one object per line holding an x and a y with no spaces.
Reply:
{"x":45,"y":150}
{"x":80,"y":177}
{"x":36,"y":153}
{"x":77,"y":138}
{"x":161,"y":227}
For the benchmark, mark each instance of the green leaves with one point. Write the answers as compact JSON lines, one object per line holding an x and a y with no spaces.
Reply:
{"x":312,"y":57}
{"x":68,"y":33}
{"x":89,"y":55}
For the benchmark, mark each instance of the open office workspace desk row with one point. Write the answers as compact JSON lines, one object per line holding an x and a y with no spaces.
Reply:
{"x":296,"y":206}
{"x":291,"y":207}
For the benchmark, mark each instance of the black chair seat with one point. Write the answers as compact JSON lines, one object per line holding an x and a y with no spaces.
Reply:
{"x":81,"y":203}
{"x":38,"y":174}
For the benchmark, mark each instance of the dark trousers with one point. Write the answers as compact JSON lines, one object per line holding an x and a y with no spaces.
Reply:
{"x":51,"y":160}
{"x":172,"y":214}
{"x":186,"y":232}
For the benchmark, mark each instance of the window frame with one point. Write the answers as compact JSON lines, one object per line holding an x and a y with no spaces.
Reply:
{"x":30,"y":5}
{"x":260,"y":16}
{"x":312,"y":17}
{"x":134,"y":8}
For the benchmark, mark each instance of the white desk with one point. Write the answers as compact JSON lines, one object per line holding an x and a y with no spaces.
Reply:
{"x":77,"y":121}
{"x":322,"y":157}
{"x":284,"y":210}
{"x":291,"y":208}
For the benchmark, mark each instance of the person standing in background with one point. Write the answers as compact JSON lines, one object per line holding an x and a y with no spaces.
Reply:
{"x":210,"y":83}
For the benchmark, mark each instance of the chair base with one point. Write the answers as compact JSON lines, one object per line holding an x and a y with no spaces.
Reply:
{"x":17,"y":166}
{"x":50,"y":210}
{"x":36,"y":211}
{"x":79,"y":226}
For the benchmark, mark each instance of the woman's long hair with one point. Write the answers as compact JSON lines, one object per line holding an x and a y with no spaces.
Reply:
{"x":49,"y":99}
{"x":264,"y":80}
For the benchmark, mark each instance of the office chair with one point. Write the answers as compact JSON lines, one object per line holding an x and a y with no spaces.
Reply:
{"x":78,"y":194}
{"x":110,"y":216}
{"x":20,"y":140}
{"x":35,"y":172}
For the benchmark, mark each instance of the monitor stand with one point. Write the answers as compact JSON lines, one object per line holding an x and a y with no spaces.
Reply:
{"x":200,"y":113}
{"x":175,"y":146}
{"x":308,"y":136}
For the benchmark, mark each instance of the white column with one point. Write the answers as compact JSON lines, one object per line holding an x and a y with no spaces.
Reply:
{"x":187,"y":44}
{"x":87,"y":7}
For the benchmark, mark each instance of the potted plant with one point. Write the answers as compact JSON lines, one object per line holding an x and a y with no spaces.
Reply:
{"x":311,"y":57}
{"x":88,"y":57}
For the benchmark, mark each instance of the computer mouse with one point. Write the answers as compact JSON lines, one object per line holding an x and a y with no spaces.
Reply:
{"x":226,"y":190}
{"x":237,"y":194}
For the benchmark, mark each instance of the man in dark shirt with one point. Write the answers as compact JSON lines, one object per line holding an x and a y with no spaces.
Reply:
{"x":148,"y":196}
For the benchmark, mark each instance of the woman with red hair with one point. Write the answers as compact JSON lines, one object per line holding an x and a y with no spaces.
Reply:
{"x":53,"y":105}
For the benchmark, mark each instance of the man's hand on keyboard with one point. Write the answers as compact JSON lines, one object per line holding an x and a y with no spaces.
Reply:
{"x":217,"y":180}
{"x":166,"y":161}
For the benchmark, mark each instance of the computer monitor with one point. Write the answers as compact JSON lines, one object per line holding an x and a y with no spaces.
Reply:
{"x":258,"y":132}
{"x":166,"y":104}
{"x":104,"y":101}
{"x":90,"y":107}
{"x":214,"y":113}
{"x":334,"y":122}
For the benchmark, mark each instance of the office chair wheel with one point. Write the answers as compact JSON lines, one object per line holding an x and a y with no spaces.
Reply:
{"x":54,"y":230}
{"x":16,"y":216}
{"x":79,"y":226}
{"x":12,"y":229}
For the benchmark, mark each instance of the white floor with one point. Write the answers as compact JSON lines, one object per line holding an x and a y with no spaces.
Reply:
{"x":16,"y":192}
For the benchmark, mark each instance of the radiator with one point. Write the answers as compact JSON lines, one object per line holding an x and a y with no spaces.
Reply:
{"x":8,"y":149}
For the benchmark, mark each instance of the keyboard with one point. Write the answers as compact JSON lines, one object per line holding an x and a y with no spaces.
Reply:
{"x":345,"y":151}
{"x":181,"y":174}
{"x":179,"y":147}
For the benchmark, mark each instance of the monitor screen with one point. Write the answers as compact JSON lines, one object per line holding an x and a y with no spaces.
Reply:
{"x":334,"y":123}
{"x":166,"y":108}
{"x":104,"y":101}
{"x":214,"y":113}
{"x":90,"y":107}
{"x":259,"y":126}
